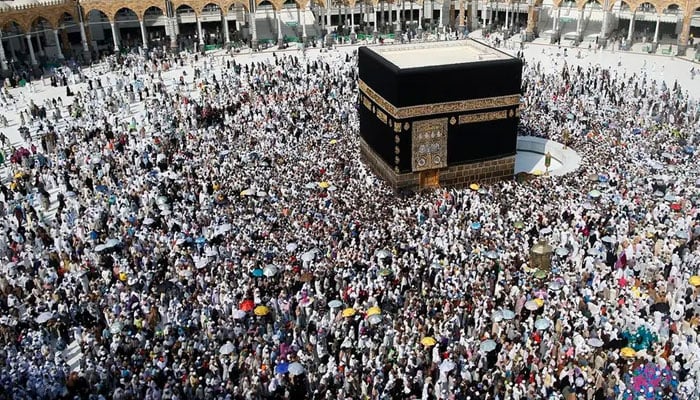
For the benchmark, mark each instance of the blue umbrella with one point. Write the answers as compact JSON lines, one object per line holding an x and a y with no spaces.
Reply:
{"x":201,"y":240}
{"x":101,"y":188}
{"x":282,"y":368}
{"x":257,"y":272}
{"x":476,"y":225}
{"x":689,"y":150}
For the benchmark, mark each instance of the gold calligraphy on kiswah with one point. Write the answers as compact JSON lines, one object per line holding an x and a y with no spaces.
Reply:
{"x":438,"y":108}
{"x":482,"y":117}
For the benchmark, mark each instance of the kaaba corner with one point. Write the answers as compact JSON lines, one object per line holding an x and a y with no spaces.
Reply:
{"x":439,"y":114}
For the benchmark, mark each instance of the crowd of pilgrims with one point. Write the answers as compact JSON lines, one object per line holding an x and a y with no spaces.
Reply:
{"x":229,"y":243}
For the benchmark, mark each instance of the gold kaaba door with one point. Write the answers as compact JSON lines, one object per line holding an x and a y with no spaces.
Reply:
{"x":430,"y":179}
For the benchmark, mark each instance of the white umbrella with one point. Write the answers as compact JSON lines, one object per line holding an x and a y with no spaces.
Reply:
{"x":335,"y":304}
{"x":248,"y":192}
{"x":556,"y":284}
{"x":311,"y":185}
{"x":270,"y":271}
{"x":100,"y":248}
{"x":116,"y":328}
{"x":497,"y":316}
{"x":542,"y":324}
{"x":487,"y":346}
{"x":508,"y":314}
{"x":227,"y":348}
{"x":291,"y":247}
{"x":374,"y":319}
{"x":261,"y":194}
{"x":112,"y":243}
{"x":531,"y":305}
{"x":238,"y":314}
{"x":148,"y":221}
{"x":296,"y":369}
{"x":447,"y":365}
{"x":165,"y":213}
{"x":382,"y":253}
{"x":43,"y":317}
{"x":201,"y":263}
{"x":308,"y":256}
{"x":223,"y":228}
{"x":491,"y":254}
{"x":595,"y":342}
{"x":562,"y":252}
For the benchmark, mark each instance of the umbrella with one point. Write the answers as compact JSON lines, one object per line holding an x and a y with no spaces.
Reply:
{"x":497,"y":316}
{"x":546,"y":230}
{"x":562,"y":252}
{"x":282,"y":368}
{"x":306,"y":277}
{"x":518,"y":224}
{"x":627,"y":352}
{"x":595,"y":342}
{"x":540,"y":274}
{"x":373,"y":311}
{"x":593,"y":177}
{"x":228,"y":348}
{"x":247,"y":305}
{"x":291,"y":247}
{"x":474,"y":186}
{"x":335,"y":304}
{"x":382,"y":253}
{"x":531,"y":305}
{"x":608,"y":239}
{"x":487,"y":345}
{"x":223,"y":228}
{"x":296,"y":369}
{"x":603,"y":178}
{"x":556,"y":284}
{"x":261,"y":193}
{"x":491,"y":254}
{"x":43,"y":317}
{"x":324,"y":185}
{"x":670,"y":197}
{"x":508,"y":314}
{"x":238,"y":314}
{"x":374,"y":319}
{"x":310,"y":185}
{"x":447,"y":365}
{"x":587,"y":206}
{"x":683,"y":235}
{"x":666,"y":155}
{"x":148,"y":221}
{"x":542,"y":324}
{"x":257,"y":272}
{"x":332,"y":189}
{"x":476,"y":225}
{"x":100,"y":248}
{"x":308,"y":256}
{"x":663,"y":308}
{"x":594,"y":194}
{"x":384,"y":272}
{"x":694,"y":280}
{"x":261,"y":311}
{"x":116,"y":328}
{"x":349,"y":312}
{"x":270,"y":271}
{"x":201,"y":263}
{"x":248,"y":192}
{"x":102,"y":189}
{"x":112,"y":243}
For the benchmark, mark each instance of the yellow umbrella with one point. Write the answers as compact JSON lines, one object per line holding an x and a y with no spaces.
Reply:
{"x":334,"y":141}
{"x":428,"y":341}
{"x":694,"y":280}
{"x":349,"y":312}
{"x":122,"y":276}
{"x":627,"y":352}
{"x":373,"y":311}
{"x":474,"y":186}
{"x":324,"y":184}
{"x":19,"y":175}
{"x":538,"y":172}
{"x":539,"y":302}
{"x":261,"y":310}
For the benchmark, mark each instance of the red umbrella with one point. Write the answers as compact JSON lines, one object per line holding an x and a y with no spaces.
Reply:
{"x":247,"y":305}
{"x":676,"y":206}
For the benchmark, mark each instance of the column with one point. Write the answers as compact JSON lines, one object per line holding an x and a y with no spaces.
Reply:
{"x":31,"y":49}
{"x":374,"y":19}
{"x":115,"y":38}
{"x":461,"y":18}
{"x":329,"y":36}
{"x":474,"y":16}
{"x":532,"y":17}
{"x":58,"y":45}
{"x":685,"y":33}
{"x":554,"y":21}
{"x":382,"y":18}
{"x":144,"y":34}
{"x":199,"y":31}
{"x":303,"y":25}
{"x":391,"y":19}
{"x":579,"y":24}
{"x":280,"y":36}
{"x":352,"y":19}
{"x":83,"y":38}
{"x":399,"y":16}
{"x":656,"y":31}
{"x":253,"y":29}
{"x":227,"y":34}
{"x":505,"y":25}
{"x":630,"y":30}
{"x":173,"y":33}
{"x":3,"y":60}
{"x":39,"y":46}
{"x":604,"y":26}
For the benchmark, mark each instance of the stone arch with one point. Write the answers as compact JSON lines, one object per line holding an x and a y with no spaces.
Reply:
{"x":230,"y":4}
{"x":581,"y":4}
{"x":672,"y":8}
{"x":211,"y":3}
{"x":644,"y":5}
{"x":152,"y":7}
{"x":36,"y":18}
{"x":87,"y":11}
{"x":61,"y":18}
{"x":276,"y":5}
{"x":125,"y":8}
{"x":184,"y":6}
{"x":18,"y":27}
{"x":181,"y":4}
{"x":632,"y":5}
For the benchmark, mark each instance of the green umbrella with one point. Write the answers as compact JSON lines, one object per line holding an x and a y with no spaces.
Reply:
{"x":540,"y":274}
{"x":519,"y":224}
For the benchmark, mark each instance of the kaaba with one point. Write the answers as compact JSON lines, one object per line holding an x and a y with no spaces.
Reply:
{"x":439,"y":114}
